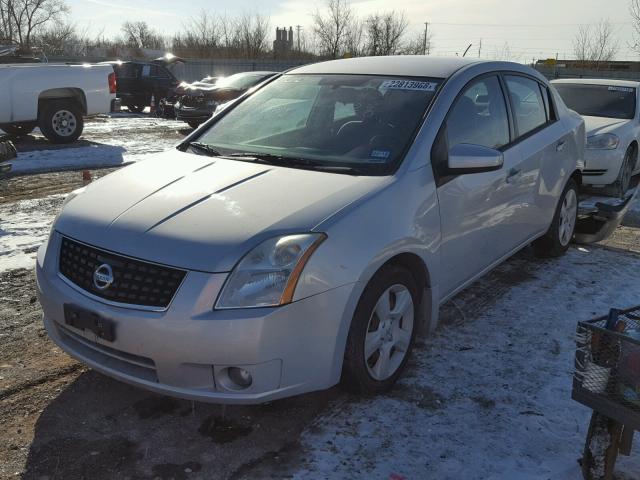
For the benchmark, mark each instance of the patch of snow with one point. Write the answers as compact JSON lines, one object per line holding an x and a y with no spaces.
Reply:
{"x":489,"y":396}
{"x":24,"y":226}
{"x":106,"y":142}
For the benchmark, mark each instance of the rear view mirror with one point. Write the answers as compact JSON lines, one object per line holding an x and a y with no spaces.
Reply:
{"x":468,"y":158}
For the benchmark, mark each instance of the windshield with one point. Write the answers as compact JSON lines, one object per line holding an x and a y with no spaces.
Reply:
{"x":599,"y":100}
{"x":240,"y":81}
{"x":359,"y":121}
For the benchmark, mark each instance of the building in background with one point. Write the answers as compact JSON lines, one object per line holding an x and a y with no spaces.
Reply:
{"x":283,"y":44}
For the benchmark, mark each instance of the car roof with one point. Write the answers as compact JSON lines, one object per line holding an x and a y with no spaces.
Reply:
{"x":597,"y":81}
{"x":403,"y":65}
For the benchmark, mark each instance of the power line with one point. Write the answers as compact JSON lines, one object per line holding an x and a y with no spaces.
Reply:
{"x":541,"y":25}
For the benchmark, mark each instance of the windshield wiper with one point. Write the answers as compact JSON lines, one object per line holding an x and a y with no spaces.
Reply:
{"x":205,"y":148}
{"x":270,"y":158}
{"x":282,"y":160}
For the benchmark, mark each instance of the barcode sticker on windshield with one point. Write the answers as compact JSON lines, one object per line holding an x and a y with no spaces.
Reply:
{"x":621,"y":89}
{"x":408,"y":85}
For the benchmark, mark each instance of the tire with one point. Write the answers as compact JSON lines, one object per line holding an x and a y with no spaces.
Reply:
{"x":61,"y":121}
{"x":393,"y":335}
{"x":136,"y":108}
{"x":556,"y":241}
{"x":194,"y":125}
{"x":19,"y":129}
{"x":626,"y":172}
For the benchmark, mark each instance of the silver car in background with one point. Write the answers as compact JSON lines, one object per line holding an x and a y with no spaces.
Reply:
{"x":312,"y":228}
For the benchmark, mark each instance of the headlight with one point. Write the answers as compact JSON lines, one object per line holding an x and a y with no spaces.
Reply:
{"x":603,"y":141}
{"x":267,"y":276}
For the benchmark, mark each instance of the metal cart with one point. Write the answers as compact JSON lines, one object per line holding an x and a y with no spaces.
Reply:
{"x":607,"y":380}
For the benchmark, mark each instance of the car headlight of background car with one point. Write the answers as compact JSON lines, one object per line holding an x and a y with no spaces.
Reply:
{"x":603,"y":141}
{"x":267,"y":276}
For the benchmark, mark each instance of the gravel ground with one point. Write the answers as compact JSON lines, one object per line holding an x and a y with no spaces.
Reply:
{"x":60,"y":420}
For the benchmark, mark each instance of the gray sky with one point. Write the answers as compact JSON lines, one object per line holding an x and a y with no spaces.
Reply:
{"x":532,"y":29}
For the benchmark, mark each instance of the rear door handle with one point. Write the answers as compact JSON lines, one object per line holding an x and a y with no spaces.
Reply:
{"x":560,"y":146}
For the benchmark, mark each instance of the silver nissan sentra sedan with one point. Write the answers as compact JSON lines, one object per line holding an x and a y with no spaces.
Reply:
{"x":308,"y":231}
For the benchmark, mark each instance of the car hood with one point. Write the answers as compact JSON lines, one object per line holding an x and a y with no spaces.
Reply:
{"x":597,"y":125}
{"x":203,"y":213}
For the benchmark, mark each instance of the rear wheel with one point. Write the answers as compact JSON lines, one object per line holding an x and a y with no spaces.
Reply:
{"x":194,"y":124}
{"x":382,"y":332}
{"x":61,"y":121}
{"x":557,"y":239}
{"x":19,"y":129}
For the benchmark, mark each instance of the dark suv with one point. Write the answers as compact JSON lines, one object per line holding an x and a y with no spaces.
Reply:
{"x":138,"y":81}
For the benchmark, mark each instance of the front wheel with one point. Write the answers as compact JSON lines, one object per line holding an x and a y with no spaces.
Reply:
{"x":382,"y":332}
{"x":556,"y":241}
{"x":626,"y":172}
{"x":194,"y":125}
{"x":61,"y":121}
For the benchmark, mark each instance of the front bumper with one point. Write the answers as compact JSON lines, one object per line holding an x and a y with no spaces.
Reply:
{"x":602,"y":167}
{"x":193,"y":114}
{"x":185,"y":350}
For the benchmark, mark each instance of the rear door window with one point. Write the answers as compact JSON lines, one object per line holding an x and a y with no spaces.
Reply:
{"x":479,"y":116}
{"x":528,"y":104}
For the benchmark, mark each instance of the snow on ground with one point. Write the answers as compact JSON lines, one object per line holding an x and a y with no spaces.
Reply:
{"x":488,"y":397}
{"x":106,"y":142}
{"x":24,"y":226}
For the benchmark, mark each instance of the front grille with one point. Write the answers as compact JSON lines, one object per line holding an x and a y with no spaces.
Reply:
{"x":135,"y":282}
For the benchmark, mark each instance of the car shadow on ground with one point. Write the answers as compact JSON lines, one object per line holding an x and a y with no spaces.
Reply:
{"x":100,"y":428}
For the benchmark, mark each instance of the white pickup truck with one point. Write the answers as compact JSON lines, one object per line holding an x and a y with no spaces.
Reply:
{"x":54,"y":98}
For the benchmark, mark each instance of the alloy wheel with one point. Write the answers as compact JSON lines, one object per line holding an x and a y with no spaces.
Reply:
{"x":568,"y":213}
{"x":389,"y":332}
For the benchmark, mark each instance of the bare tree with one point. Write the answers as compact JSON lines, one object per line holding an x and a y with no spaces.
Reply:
{"x":634,"y":10}
{"x":201,"y":37}
{"x":418,"y":45}
{"x":594,"y":44}
{"x":253,"y":31}
{"x":505,"y":54}
{"x":385,"y":32}
{"x":331,"y":27}
{"x":22,"y":19}
{"x":141,"y":35}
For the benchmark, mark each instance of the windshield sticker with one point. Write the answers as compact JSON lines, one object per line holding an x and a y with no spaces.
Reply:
{"x":408,"y":85}
{"x":621,"y":89}
{"x":380,"y":155}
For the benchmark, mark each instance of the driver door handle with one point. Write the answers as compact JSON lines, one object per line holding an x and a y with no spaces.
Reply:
{"x":560,"y":146}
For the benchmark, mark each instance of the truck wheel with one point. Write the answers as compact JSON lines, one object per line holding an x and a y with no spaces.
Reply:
{"x":626,"y":171}
{"x":61,"y":121}
{"x":382,"y":332}
{"x":19,"y":129}
{"x":556,"y":241}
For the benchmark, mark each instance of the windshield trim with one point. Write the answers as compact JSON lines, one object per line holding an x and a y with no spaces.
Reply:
{"x":372,"y":169}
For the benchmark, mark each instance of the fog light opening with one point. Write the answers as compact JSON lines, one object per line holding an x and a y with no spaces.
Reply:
{"x":240,"y":377}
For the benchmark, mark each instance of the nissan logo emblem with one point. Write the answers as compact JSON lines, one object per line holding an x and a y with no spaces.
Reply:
{"x":103,"y":277}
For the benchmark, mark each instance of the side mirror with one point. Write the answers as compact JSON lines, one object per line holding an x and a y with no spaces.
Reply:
{"x":468,"y":158}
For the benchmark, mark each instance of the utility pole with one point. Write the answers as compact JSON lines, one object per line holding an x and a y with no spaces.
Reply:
{"x":298,"y":28}
{"x":480,"y":49}
{"x":426,"y":33}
